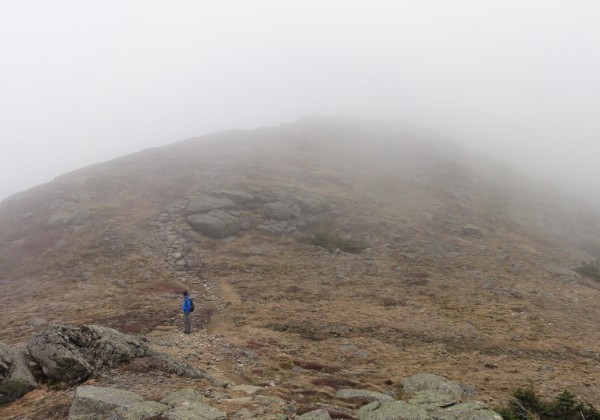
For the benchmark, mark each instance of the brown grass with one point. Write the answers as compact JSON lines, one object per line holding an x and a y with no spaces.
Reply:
{"x":323,"y":367}
{"x":333,"y":382}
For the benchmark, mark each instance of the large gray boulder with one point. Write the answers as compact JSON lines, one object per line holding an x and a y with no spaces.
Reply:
{"x":429,"y":382}
{"x":389,"y":410}
{"x":93,"y":402}
{"x":315,"y":415}
{"x":470,"y":410}
{"x":310,"y":204}
{"x":206,"y":203}
{"x":362,"y":394}
{"x":71,"y":354}
{"x":217,"y":223}
{"x":15,"y":378}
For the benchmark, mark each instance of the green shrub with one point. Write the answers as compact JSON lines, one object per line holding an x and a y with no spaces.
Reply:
{"x":528,"y":406}
{"x":590,"y":270}
{"x":332,"y":242}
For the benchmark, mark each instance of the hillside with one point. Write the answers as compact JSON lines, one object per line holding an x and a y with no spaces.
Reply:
{"x":322,"y":252}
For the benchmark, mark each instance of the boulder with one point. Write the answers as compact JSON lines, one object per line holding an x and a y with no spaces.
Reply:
{"x":15,"y":378}
{"x":470,"y":410}
{"x":72,"y":354}
{"x":315,"y":415}
{"x":429,"y":382}
{"x":183,"y":396}
{"x":392,"y":410}
{"x":310,"y":204}
{"x":206,"y":203}
{"x":193,"y":411}
{"x":93,"y":402}
{"x":281,"y":211}
{"x":430,"y":400}
{"x":361,"y":394}
{"x":216,"y":224}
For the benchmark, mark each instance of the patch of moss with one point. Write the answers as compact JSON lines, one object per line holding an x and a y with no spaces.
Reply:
{"x":590,"y":270}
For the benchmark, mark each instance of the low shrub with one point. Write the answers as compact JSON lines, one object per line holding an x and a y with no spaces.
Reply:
{"x":590,"y":270}
{"x":527,"y":405}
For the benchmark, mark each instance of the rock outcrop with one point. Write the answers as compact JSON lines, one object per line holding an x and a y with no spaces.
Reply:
{"x":93,"y":402}
{"x":217,"y":223}
{"x":70,"y":354}
{"x":223,"y":213}
{"x":15,"y":378}
{"x":434,"y":397}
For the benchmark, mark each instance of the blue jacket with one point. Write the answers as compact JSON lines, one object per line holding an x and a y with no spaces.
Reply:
{"x":185,"y":307}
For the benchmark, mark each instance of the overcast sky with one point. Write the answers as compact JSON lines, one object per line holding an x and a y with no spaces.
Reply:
{"x":86,"y":81}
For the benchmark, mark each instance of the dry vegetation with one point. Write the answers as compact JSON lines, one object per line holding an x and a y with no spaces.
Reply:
{"x":413,"y":293}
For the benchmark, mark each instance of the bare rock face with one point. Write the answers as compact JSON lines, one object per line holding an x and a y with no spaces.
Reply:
{"x":15,"y":378}
{"x":72,"y":354}
{"x":99,"y":402}
{"x":217,"y":223}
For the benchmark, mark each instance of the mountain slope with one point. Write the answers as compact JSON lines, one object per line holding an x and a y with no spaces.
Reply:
{"x":458,"y":266}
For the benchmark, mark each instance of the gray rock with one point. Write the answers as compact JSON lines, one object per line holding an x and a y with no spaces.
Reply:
{"x":77,"y":217}
{"x":348,"y":394}
{"x":470,"y":410}
{"x":206,"y":203}
{"x":430,"y":382}
{"x":310,"y":204}
{"x":72,"y":354}
{"x":217,"y":223}
{"x":315,"y":415}
{"x":194,"y":411}
{"x":238,"y":197}
{"x":389,"y":410}
{"x":57,"y":219}
{"x":180,"y":397}
{"x":15,"y":378}
{"x":243,"y":414}
{"x":430,"y":400}
{"x":281,"y":211}
{"x":92,"y":402}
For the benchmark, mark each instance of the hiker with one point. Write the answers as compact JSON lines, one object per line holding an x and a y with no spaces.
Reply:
{"x":186,"y":308}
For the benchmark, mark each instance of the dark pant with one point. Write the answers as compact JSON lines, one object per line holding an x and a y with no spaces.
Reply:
{"x":187,"y":326}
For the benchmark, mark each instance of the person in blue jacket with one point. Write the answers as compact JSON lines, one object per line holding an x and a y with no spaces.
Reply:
{"x":185,"y":308}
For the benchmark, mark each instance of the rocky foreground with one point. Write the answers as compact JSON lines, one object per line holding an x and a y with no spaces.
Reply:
{"x":74,"y":356}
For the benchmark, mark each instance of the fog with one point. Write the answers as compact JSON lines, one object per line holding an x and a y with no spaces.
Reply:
{"x":84,"y":82}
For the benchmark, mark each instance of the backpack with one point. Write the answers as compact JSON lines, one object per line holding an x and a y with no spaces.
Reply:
{"x":191,"y":305}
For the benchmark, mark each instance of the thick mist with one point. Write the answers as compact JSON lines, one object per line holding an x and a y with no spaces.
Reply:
{"x":84,"y":82}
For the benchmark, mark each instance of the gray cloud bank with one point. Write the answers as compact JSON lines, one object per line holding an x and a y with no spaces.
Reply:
{"x":83,"y":82}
